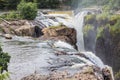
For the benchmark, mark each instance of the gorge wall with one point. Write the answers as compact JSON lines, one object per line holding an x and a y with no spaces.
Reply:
{"x":106,"y":38}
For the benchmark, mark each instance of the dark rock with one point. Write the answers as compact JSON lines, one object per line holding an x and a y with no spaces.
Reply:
{"x":108,"y":49}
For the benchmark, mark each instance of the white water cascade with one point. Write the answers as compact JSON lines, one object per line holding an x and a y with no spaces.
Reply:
{"x":78,"y":25}
{"x":79,"y":22}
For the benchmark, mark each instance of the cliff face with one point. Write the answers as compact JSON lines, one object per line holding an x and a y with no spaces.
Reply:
{"x":107,"y":38}
{"x":108,"y":49}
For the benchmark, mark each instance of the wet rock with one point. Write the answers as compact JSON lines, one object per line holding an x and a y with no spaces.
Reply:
{"x":87,"y":73}
{"x":60,"y":33}
{"x":8,"y":36}
{"x":25,"y":30}
{"x":20,"y":28}
{"x":108,"y":49}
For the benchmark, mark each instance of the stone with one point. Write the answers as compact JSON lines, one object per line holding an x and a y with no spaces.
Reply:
{"x":60,"y":33}
{"x":8,"y":36}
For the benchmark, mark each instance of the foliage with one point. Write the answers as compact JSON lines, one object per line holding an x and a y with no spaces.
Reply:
{"x":115,"y":29}
{"x":103,"y":16}
{"x":4,"y":60}
{"x":99,"y":32}
{"x":28,"y":10}
{"x":8,"y":4}
{"x":12,"y":15}
{"x":114,"y":17}
{"x":4,"y":76}
{"x":111,"y":4}
{"x":117,"y":75}
{"x":89,"y":17}
{"x":87,"y":28}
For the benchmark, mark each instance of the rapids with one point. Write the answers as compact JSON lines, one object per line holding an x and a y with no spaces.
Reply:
{"x":30,"y":56}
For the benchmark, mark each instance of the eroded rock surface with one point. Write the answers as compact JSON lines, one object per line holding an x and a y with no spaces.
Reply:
{"x":60,"y":33}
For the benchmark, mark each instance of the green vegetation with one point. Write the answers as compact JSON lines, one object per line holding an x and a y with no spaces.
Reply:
{"x":115,"y":29}
{"x":12,"y":4}
{"x":12,"y":15}
{"x":25,"y":10}
{"x":28,"y":10}
{"x":87,"y":28}
{"x":117,"y":75}
{"x":4,"y":60}
{"x":107,"y":4}
{"x":99,"y":32}
{"x":102,"y":17}
{"x":90,"y":17}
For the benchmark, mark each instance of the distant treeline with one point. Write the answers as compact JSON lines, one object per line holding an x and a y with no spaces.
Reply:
{"x":12,"y":4}
{"x":112,"y":4}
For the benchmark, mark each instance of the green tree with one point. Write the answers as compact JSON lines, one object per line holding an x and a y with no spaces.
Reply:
{"x":28,"y":10}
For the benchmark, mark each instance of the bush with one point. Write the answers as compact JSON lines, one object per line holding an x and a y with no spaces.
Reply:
{"x":12,"y":15}
{"x":4,"y":60}
{"x":28,"y":10}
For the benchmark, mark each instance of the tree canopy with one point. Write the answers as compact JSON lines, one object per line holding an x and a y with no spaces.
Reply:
{"x":12,"y":4}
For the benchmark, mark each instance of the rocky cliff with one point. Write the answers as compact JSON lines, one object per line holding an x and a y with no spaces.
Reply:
{"x":106,"y":31}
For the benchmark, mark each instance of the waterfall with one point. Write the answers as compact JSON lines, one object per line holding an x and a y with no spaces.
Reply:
{"x":78,"y":24}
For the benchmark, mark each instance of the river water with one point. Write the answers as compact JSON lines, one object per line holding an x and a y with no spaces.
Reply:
{"x":26,"y":56}
{"x":30,"y":56}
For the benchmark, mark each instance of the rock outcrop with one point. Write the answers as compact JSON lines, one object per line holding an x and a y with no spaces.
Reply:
{"x":20,"y":28}
{"x":106,"y":31}
{"x":60,"y":33}
{"x":8,"y":36}
{"x":87,"y":73}
{"x":108,"y":49}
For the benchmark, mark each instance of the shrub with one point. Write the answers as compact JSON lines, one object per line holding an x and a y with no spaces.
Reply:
{"x":12,"y":15}
{"x":4,"y":60}
{"x":28,"y":10}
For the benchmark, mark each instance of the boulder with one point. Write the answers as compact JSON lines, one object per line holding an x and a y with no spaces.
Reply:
{"x":20,"y":28}
{"x":60,"y":33}
{"x":8,"y":36}
{"x":25,"y":30}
